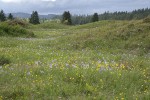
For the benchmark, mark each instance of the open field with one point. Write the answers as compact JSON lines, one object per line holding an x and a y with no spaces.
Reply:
{"x":106,"y":60}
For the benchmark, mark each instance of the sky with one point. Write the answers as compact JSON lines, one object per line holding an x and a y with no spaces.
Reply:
{"x":74,"y":6}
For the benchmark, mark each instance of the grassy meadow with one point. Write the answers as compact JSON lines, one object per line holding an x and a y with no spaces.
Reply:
{"x":105,"y":60}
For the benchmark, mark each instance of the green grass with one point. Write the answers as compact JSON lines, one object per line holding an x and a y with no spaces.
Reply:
{"x":53,"y":24}
{"x":106,"y":60}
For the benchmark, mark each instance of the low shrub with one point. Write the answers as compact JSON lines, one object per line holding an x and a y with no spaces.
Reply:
{"x":17,"y":22}
{"x":14,"y":29}
{"x":4,"y":60}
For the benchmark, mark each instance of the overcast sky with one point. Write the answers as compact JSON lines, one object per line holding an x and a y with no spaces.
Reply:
{"x":74,"y":6}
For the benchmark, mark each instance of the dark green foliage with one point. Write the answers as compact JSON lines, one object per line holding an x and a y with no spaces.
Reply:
{"x":121,"y":15}
{"x":124,"y":15}
{"x":34,"y":18}
{"x":95,"y":17}
{"x":66,"y":18}
{"x":81,"y":19}
{"x":4,"y":60}
{"x":2,"y":16}
{"x":10,"y":16}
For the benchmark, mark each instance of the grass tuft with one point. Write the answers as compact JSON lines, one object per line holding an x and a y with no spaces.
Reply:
{"x":4,"y":60}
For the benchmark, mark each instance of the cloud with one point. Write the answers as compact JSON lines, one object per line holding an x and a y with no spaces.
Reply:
{"x":74,"y":6}
{"x":49,"y":0}
{"x":9,"y":1}
{"x":19,"y":1}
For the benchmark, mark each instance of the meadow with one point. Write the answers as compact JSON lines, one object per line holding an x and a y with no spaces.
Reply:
{"x":105,"y":60}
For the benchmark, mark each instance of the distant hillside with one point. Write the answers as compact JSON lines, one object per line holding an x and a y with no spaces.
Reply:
{"x":26,"y":15}
{"x":21,"y":15}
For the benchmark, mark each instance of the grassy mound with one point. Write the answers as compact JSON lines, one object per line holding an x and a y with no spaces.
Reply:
{"x":14,"y":28}
{"x":18,"y":22}
{"x":50,"y":25}
{"x":126,"y":36}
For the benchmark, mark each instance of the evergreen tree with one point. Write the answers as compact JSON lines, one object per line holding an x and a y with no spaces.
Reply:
{"x":37,"y":18}
{"x":66,"y":18}
{"x":2,"y":16}
{"x":95,"y":17}
{"x":34,"y":18}
{"x":10,"y":17}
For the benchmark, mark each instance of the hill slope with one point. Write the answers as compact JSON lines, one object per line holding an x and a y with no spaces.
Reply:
{"x":130,"y":36}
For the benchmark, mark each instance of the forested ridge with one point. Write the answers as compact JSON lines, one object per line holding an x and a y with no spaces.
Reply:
{"x":118,"y":15}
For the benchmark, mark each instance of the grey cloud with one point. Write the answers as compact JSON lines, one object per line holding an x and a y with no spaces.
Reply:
{"x":74,"y":6}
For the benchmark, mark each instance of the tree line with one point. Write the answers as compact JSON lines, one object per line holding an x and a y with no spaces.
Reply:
{"x":67,"y":18}
{"x":124,"y":15}
{"x":3,"y":16}
{"x":34,"y":19}
{"x":74,"y":20}
{"x":120,"y":15}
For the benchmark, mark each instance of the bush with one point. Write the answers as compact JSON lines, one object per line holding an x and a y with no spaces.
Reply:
{"x":17,"y":22}
{"x":4,"y":60}
{"x":14,"y":29}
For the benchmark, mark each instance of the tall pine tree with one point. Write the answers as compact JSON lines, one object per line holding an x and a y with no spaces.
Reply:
{"x":66,"y":18}
{"x":2,"y":16}
{"x":95,"y":17}
{"x":10,"y":16}
{"x":34,"y":18}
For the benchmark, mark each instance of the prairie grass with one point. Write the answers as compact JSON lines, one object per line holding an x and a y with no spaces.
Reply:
{"x":106,"y":60}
